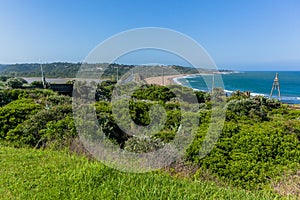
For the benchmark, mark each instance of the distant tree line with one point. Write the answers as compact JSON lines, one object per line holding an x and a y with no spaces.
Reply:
{"x":69,"y":70}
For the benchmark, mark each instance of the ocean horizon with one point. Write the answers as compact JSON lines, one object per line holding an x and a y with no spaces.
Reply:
{"x":255,"y":82}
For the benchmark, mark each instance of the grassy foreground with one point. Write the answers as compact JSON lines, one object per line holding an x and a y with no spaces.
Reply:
{"x":37,"y":174}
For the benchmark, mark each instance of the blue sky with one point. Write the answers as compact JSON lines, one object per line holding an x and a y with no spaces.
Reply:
{"x":243,"y":35}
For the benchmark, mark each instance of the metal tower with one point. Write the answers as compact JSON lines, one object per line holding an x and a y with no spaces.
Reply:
{"x":275,"y":86}
{"x":43,"y":77}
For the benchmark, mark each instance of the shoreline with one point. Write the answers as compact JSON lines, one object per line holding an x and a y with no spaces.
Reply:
{"x":165,"y":80}
{"x":172,"y":80}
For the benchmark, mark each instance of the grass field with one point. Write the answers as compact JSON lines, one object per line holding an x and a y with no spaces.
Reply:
{"x":37,"y":174}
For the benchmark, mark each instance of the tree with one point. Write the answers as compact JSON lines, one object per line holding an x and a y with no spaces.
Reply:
{"x":37,"y":83}
{"x":14,"y":82}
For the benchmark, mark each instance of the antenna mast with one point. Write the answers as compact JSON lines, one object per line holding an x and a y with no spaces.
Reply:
{"x":43,"y":77}
{"x":275,"y":86}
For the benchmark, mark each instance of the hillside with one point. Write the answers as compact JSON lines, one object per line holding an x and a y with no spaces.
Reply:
{"x":36,"y":174}
{"x":258,"y":147}
{"x":69,"y":70}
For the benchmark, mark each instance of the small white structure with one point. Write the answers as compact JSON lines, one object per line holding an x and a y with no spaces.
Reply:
{"x":275,"y":86}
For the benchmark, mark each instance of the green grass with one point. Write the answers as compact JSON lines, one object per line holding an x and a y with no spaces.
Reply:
{"x":37,"y":174}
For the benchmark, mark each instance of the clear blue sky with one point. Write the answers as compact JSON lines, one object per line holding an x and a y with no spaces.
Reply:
{"x":238,"y":34}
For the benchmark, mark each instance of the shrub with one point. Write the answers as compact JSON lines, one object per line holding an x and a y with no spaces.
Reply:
{"x":58,"y":134}
{"x":14,"y":82}
{"x":15,"y":113}
{"x":7,"y":96}
{"x":29,"y":132}
{"x":143,"y":145}
{"x":249,"y":155}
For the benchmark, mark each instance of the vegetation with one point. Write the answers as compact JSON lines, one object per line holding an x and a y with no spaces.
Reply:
{"x":11,"y":82}
{"x":69,"y":70}
{"x":35,"y":174}
{"x":258,"y":146}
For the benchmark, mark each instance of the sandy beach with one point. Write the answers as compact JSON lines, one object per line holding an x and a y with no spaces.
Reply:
{"x":164,"y":80}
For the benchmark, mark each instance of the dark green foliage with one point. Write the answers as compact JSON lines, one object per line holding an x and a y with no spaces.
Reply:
{"x":58,"y":69}
{"x":202,"y":97}
{"x":143,"y":145}
{"x":29,"y":113}
{"x":165,"y":136}
{"x":5,"y":78}
{"x":139,"y":115}
{"x":29,"y":132}
{"x":37,"y":83}
{"x":69,"y":70}
{"x":256,"y":108}
{"x":15,"y":113}
{"x":70,"y":82}
{"x":238,"y":95}
{"x":250,"y":152}
{"x":14,"y":83}
{"x":104,"y":90}
{"x":259,"y":141}
{"x":9,"y":95}
{"x":153,"y":93}
{"x":173,"y":120}
{"x":53,"y":100}
{"x":108,"y":124}
{"x":139,"y":112}
{"x":58,"y":134}
{"x":165,"y":94}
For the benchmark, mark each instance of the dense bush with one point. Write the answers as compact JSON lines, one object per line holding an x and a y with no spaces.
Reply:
{"x":143,"y":144}
{"x":58,"y":134}
{"x":5,"y":78}
{"x":15,"y":82}
{"x":9,"y":95}
{"x":256,"y":109}
{"x":30,"y":131}
{"x":153,"y":93}
{"x":28,"y":114}
{"x":260,"y":138}
{"x":248,"y":153}
{"x":14,"y":113}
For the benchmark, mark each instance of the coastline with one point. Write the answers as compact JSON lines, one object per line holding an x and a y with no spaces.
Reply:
{"x":292,"y":99}
{"x":165,"y":80}
{"x":172,"y":79}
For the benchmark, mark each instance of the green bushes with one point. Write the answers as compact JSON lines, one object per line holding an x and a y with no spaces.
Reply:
{"x":250,"y":154}
{"x":9,"y":95}
{"x":153,"y":93}
{"x":30,"y":132}
{"x":23,"y":113}
{"x":15,"y":82}
{"x":58,"y":134}
{"x":15,"y":113}
{"x":143,"y":144}
{"x":259,"y":141}
{"x":255,"y":109}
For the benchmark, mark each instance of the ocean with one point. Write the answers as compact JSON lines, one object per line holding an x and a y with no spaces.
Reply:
{"x":257,"y":83}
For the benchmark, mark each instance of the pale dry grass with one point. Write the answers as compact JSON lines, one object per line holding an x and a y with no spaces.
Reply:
{"x":289,"y":185}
